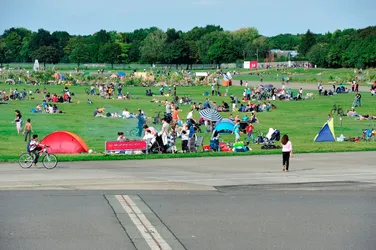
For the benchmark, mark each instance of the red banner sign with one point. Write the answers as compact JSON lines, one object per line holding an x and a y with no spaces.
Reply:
{"x":125,"y":146}
{"x":253,"y":64}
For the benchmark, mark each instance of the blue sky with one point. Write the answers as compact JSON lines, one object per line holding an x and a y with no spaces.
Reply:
{"x":269,"y":17}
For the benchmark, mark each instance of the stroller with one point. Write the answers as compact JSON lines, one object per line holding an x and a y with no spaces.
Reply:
{"x":155,"y":145}
{"x":271,"y":137}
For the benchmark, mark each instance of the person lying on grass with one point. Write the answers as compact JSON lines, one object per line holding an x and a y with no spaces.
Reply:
{"x":365,"y":117}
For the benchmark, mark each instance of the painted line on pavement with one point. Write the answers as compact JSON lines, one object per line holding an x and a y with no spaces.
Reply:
{"x":147,"y":230}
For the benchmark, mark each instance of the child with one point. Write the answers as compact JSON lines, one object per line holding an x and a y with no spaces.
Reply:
{"x":236,"y":131}
{"x":184,"y":138}
{"x":35,"y":147}
{"x":173,"y":135}
{"x":249,"y":131}
{"x":28,"y":129}
{"x":286,"y":152}
{"x":121,"y":137}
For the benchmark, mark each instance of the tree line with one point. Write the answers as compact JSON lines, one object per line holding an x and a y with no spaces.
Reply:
{"x":208,"y":45}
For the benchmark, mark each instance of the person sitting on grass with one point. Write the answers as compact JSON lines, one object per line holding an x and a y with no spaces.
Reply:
{"x":121,"y":137}
{"x":352,"y":112}
{"x":35,"y":148}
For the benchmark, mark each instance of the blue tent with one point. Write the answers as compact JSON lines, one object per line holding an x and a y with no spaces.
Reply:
{"x":224,"y":127}
{"x":121,"y":74}
{"x":326,"y":133}
{"x":227,"y":120}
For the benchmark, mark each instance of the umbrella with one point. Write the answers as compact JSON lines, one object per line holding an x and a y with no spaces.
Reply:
{"x":268,"y":86}
{"x":224,"y":127}
{"x":210,"y":115}
{"x":113,"y":76}
{"x":121,"y":74}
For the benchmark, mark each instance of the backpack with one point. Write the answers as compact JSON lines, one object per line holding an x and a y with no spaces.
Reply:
{"x":28,"y":147}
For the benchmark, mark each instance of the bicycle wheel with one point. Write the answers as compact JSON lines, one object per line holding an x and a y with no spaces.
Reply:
{"x":340,"y":111}
{"x":26,"y":160}
{"x":134,"y":132}
{"x":333,"y":112}
{"x":49,"y":161}
{"x":87,"y":91}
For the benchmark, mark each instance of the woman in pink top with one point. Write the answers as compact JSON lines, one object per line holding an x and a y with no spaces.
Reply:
{"x":286,"y":152}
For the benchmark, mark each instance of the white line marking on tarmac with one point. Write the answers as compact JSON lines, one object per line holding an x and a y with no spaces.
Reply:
{"x":147,"y":230}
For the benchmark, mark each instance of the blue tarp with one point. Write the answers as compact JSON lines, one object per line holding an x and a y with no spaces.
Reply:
{"x":121,"y":74}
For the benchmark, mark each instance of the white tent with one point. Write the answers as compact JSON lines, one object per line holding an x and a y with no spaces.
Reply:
{"x":36,"y":65}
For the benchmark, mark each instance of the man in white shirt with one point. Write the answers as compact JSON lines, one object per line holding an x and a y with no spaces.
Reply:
{"x":190,"y":115}
{"x":168,"y":107}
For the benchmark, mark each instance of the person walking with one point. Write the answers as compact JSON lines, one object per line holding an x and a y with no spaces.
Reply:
{"x":236,"y":131}
{"x":141,"y":121}
{"x":286,"y":152}
{"x":28,"y":129}
{"x":18,"y":121}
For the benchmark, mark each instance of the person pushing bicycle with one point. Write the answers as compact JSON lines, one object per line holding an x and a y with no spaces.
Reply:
{"x":35,"y":147}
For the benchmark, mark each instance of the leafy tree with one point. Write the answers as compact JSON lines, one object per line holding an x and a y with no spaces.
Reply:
{"x":101,"y":37}
{"x":110,"y":53}
{"x":216,"y":47}
{"x":13,"y":43}
{"x":193,"y":53}
{"x":177,"y":52}
{"x":284,"y":42}
{"x":172,"y":35}
{"x":2,"y":52}
{"x":317,"y":55}
{"x":260,"y":46}
{"x":242,"y":41}
{"x":46,"y":54}
{"x":308,"y":40}
{"x":61,"y":38}
{"x":80,"y":54}
{"x":152,"y":47}
{"x":41,"y":38}
{"x":198,"y":32}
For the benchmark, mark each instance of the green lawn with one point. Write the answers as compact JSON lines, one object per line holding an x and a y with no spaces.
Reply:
{"x":300,"y":119}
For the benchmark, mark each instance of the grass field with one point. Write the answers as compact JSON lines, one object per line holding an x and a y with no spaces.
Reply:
{"x":300,"y":119}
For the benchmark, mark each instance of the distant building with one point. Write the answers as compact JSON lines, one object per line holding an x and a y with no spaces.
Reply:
{"x":286,"y":53}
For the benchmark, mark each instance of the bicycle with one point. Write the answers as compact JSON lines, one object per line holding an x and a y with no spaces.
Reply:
{"x":157,"y":119}
{"x":49,"y":160}
{"x":337,"y":110}
{"x":133,"y":132}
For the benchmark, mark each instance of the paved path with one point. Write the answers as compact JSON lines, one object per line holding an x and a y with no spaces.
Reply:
{"x":193,"y":174}
{"x":293,"y":85}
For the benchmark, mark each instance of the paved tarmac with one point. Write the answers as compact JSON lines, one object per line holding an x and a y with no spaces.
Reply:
{"x":326,"y":201}
{"x":193,"y":173}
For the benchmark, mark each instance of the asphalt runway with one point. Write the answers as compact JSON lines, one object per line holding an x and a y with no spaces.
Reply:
{"x":326,"y":201}
{"x":230,"y":219}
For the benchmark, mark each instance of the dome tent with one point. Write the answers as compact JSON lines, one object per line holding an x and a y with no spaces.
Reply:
{"x":64,"y":142}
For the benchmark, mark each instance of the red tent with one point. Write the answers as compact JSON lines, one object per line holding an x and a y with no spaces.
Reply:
{"x":63,"y":142}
